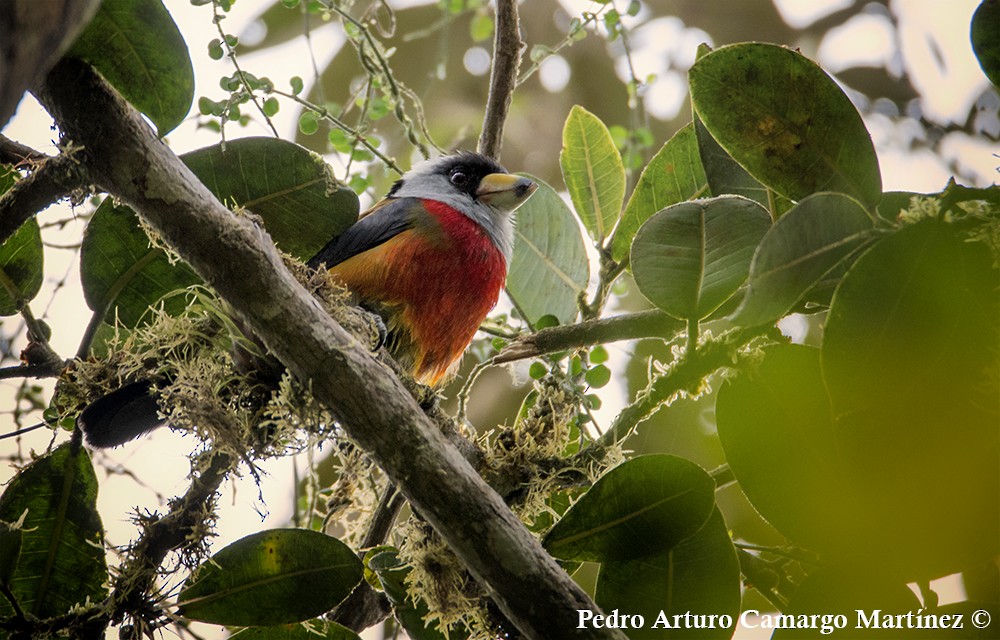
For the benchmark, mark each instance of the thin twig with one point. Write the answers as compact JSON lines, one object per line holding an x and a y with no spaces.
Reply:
{"x":633,"y":326}
{"x":507,"y":46}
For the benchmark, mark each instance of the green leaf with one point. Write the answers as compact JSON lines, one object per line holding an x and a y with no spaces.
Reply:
{"x":593,"y":172}
{"x":775,"y":427}
{"x":785,"y":121}
{"x":292,"y":189}
{"x":122,"y":273}
{"x":271,"y":577}
{"x":598,"y":376}
{"x":700,"y":576}
{"x":911,"y":320}
{"x":21,"y":258}
{"x":806,"y":243}
{"x":549,"y":266}
{"x":673,"y":175}
{"x":318,"y":629}
{"x":61,"y":563}
{"x":642,"y":506}
{"x":985,"y":36}
{"x":725,"y":176}
{"x":138,"y":48}
{"x":481,"y":27}
{"x":691,"y":257}
{"x":910,"y":345}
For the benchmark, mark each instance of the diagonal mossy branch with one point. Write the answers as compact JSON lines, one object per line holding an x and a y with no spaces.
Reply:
{"x":240,"y":262}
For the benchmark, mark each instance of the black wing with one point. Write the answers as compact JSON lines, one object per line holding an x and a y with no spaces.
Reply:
{"x":380,"y":225}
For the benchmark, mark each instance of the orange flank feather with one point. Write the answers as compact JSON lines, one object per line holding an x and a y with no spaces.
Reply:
{"x":434,"y":283}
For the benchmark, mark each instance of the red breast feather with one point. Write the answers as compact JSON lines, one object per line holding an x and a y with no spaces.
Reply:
{"x":434,"y":283}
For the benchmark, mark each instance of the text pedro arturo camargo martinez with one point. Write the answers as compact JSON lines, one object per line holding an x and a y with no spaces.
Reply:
{"x":752,"y":619}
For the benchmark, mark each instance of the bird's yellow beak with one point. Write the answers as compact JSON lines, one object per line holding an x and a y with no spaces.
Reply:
{"x":505,"y":191}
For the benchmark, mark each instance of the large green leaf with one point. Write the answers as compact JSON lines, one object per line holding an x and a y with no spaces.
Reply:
{"x":271,"y":577}
{"x":916,"y":317}
{"x":673,"y":175}
{"x":61,"y":563}
{"x":318,"y":629}
{"x":292,"y":189}
{"x":775,"y":427}
{"x":785,"y":121}
{"x":21,"y":259}
{"x":549,"y":266}
{"x":122,"y":274}
{"x":642,"y":506}
{"x":699,"y":576}
{"x":909,"y":356}
{"x":691,"y":257}
{"x":803,"y":245}
{"x":593,"y":172}
{"x":138,"y":48}
{"x":985,"y":36}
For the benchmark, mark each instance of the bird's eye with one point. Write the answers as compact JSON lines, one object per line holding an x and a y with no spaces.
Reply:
{"x":458,"y":178}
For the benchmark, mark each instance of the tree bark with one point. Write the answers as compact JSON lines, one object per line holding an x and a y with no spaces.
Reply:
{"x":241,"y":263}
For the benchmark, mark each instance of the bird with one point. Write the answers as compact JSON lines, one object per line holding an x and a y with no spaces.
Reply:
{"x":430,"y":259}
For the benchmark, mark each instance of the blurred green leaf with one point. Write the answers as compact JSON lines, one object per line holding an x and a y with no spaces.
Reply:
{"x":122,"y":273}
{"x":909,"y":356}
{"x":700,"y":576}
{"x":673,"y":175}
{"x":804,"y":244}
{"x":318,"y":629}
{"x":271,"y":577}
{"x":21,"y":258}
{"x":642,"y":506}
{"x":61,"y":563}
{"x":138,"y":48}
{"x":911,"y":320}
{"x":691,"y":257}
{"x":985,"y":36}
{"x":292,"y":189}
{"x":593,"y":172}
{"x":785,"y":121}
{"x":777,"y":433}
{"x":549,"y":266}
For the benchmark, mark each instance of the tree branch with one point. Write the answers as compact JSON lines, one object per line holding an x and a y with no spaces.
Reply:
{"x":632,"y":326}
{"x":15,"y":153}
{"x":54,"y":179}
{"x":163,"y":535}
{"x":507,"y":47}
{"x":241,"y":263}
